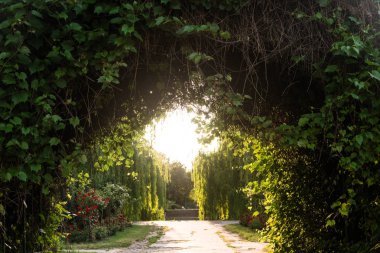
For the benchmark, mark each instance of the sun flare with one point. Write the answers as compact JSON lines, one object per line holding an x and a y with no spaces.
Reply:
{"x":176,"y":137}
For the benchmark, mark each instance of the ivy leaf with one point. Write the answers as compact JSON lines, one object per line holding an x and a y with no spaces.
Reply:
{"x":8,"y":176}
{"x":56,"y":118}
{"x":74,"y":26}
{"x":344,"y":209}
{"x":5,"y":24}
{"x":127,"y":29}
{"x":45,"y":190}
{"x":20,"y":98}
{"x":74,"y":121}
{"x":36,"y":13}
{"x":302,"y":121}
{"x":9,"y":79}
{"x":375,"y":74}
{"x":137,"y":35}
{"x":371,"y":181}
{"x":98,"y":10}
{"x":160,"y":20}
{"x":355,"y":96}
{"x":225,"y":35}
{"x":21,"y":75}
{"x":331,"y":69}
{"x":318,"y":15}
{"x":22,"y":176}
{"x":16,"y":121}
{"x":35,"y":167}
{"x":4,"y":55}
{"x":24,"y":50}
{"x":117,"y":20}
{"x":83,"y":159}
{"x":336,"y":204}
{"x":324,"y":3}
{"x":214,"y":28}
{"x":114,"y":10}
{"x":330,"y":223}
{"x":54,"y":141}
{"x":6,"y":127}
{"x":359,"y":139}
{"x":24,"y":145}
{"x":186,"y":29}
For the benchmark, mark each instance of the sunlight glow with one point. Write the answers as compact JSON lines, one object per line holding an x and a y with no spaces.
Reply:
{"x":176,"y":137}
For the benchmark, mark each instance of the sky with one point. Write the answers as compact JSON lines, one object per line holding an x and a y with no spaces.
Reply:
{"x":176,"y":137}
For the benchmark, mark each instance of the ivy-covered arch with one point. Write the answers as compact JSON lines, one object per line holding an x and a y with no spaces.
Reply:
{"x":70,"y":69}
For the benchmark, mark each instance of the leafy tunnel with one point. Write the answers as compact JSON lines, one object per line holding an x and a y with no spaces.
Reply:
{"x":291,"y":88}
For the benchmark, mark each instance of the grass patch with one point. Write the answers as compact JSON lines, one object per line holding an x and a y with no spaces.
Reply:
{"x":73,"y":251}
{"x":228,"y":242}
{"x":160,"y":231}
{"x":246,"y":233}
{"x":121,"y":239}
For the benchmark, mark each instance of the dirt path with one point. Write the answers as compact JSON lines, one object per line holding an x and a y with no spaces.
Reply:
{"x":199,"y":236}
{"x":192,"y":236}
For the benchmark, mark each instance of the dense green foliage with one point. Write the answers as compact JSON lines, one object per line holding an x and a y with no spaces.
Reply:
{"x":336,"y":165}
{"x":218,"y":181}
{"x":320,"y":176}
{"x":179,"y":187}
{"x":145,"y":179}
{"x":123,"y":180}
{"x":60,"y":62}
{"x":52,"y":53}
{"x":316,"y":174}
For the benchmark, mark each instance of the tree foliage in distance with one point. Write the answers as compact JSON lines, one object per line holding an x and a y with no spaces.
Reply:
{"x":132,"y":164}
{"x":180,"y":185}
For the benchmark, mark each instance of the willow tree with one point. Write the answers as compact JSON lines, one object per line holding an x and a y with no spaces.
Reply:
{"x":219,"y":179}
{"x":123,"y":157}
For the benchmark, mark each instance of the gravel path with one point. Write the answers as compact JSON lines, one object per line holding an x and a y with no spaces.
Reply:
{"x":192,"y":236}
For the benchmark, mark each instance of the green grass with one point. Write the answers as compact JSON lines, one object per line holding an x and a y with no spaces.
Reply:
{"x":228,"y":242}
{"x":73,"y":251}
{"x":121,"y":239}
{"x":159,"y":233}
{"x":248,"y":234}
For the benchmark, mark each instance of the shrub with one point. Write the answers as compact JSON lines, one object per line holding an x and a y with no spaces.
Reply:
{"x":101,"y":232}
{"x":249,"y":220}
{"x":117,"y":197}
{"x":246,"y":219}
{"x":79,"y":235}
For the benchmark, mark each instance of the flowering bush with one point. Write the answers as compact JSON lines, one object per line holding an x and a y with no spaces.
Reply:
{"x":117,"y":196}
{"x":88,"y":207}
{"x":96,"y":215}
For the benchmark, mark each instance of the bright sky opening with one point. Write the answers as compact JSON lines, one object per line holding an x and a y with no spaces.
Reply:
{"x":176,"y":137}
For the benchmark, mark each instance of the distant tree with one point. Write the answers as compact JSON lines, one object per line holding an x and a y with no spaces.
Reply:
{"x":180,"y":185}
